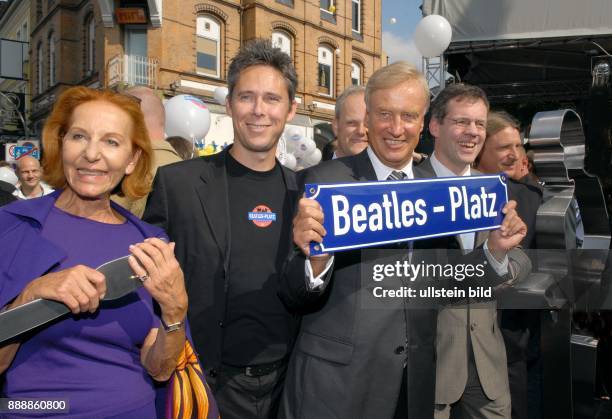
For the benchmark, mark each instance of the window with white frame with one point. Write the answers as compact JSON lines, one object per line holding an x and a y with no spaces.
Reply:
{"x":282,"y":40}
{"x":208,"y":46}
{"x":39,"y":68}
{"x":52,"y":74}
{"x":328,"y":5}
{"x":356,"y":74}
{"x":90,"y":45}
{"x":356,"y":12}
{"x":325,"y":70}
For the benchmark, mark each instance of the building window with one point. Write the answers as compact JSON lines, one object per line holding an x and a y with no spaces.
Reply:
{"x":356,"y":74}
{"x":326,"y":71}
{"x":90,"y":45}
{"x":356,"y":10}
{"x":328,"y":6}
{"x":286,"y":2}
{"x":38,"y":10}
{"x":24,"y":32}
{"x":208,"y":46}
{"x":39,"y":68}
{"x":282,"y":40}
{"x":52,"y":74}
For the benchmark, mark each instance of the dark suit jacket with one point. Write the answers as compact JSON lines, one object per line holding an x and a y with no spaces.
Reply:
{"x":348,"y":360}
{"x":189,"y":200}
{"x":528,"y":196}
{"x":6,"y":193}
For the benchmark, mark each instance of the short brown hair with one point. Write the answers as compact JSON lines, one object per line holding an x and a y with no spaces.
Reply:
{"x":456,"y":91}
{"x":135,"y":185}
{"x":261,"y":52}
{"x":391,"y":75}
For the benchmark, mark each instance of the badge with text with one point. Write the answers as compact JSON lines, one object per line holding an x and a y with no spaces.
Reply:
{"x":378,"y":213}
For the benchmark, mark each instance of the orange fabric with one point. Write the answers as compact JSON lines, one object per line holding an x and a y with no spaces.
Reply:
{"x":188,"y":382}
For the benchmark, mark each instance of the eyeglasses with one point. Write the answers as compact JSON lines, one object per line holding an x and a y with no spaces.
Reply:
{"x":466,"y":123}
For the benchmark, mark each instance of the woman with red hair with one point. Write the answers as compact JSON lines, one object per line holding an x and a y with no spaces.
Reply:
{"x":104,"y":358}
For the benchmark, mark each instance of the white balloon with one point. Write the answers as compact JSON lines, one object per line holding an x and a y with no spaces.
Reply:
{"x":187,"y":117}
{"x":293,"y":138}
{"x":432,"y":35}
{"x":314,"y":157}
{"x":220,"y":95}
{"x":300,"y":163}
{"x":289,"y":145}
{"x":8,"y":175}
{"x":304,"y":147}
{"x":289,"y":162}
{"x":392,"y":20}
{"x":293,"y":134}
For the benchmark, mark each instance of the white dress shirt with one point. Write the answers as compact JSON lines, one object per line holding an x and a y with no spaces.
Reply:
{"x":467,"y":239}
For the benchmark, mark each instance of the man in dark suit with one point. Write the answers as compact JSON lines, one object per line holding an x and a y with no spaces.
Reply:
{"x":230,"y":216}
{"x":503,"y":152}
{"x":352,"y":362}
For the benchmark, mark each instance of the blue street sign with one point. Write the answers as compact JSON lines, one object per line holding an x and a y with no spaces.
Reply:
{"x":368,"y":214}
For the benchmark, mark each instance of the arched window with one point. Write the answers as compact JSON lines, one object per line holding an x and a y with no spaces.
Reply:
{"x":39,"y":68}
{"x":208,"y":46}
{"x":326,"y":70}
{"x":282,"y":40}
{"x":90,"y":44}
{"x":356,"y":73}
{"x":52,"y":74}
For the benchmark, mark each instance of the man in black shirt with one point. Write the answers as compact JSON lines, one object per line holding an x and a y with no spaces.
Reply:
{"x":230,"y":216}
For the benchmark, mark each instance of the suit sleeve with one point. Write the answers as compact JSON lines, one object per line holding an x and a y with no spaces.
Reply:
{"x":294,"y":287}
{"x":156,"y":210}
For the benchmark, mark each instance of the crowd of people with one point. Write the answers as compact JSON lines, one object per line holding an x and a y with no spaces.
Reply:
{"x":277,"y":332}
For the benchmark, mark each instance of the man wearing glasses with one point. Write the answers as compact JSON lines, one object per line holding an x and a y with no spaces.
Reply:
{"x":471,"y":371}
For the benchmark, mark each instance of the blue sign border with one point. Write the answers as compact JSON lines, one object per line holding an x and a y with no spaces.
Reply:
{"x":313,"y":190}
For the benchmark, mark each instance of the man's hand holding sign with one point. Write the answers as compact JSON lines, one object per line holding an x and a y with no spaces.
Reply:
{"x":350,"y":216}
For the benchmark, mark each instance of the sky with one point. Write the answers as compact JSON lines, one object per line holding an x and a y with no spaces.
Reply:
{"x":397,"y":37}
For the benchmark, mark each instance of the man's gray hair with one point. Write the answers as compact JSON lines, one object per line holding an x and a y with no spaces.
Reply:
{"x":390,"y":76}
{"x":348,"y":92}
{"x":261,"y":52}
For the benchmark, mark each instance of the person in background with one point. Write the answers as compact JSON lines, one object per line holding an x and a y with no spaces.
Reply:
{"x":29,"y":174}
{"x":163,"y":153}
{"x":329,"y":151}
{"x":349,"y":122}
{"x":183,"y":147}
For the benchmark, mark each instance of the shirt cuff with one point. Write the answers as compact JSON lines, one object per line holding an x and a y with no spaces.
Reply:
{"x":315,"y":283}
{"x":500,"y":267}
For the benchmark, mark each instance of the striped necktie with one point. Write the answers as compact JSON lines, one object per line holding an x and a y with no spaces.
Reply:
{"x":397,"y":175}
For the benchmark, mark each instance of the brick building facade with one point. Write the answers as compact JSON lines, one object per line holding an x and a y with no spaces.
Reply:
{"x":185,"y":46}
